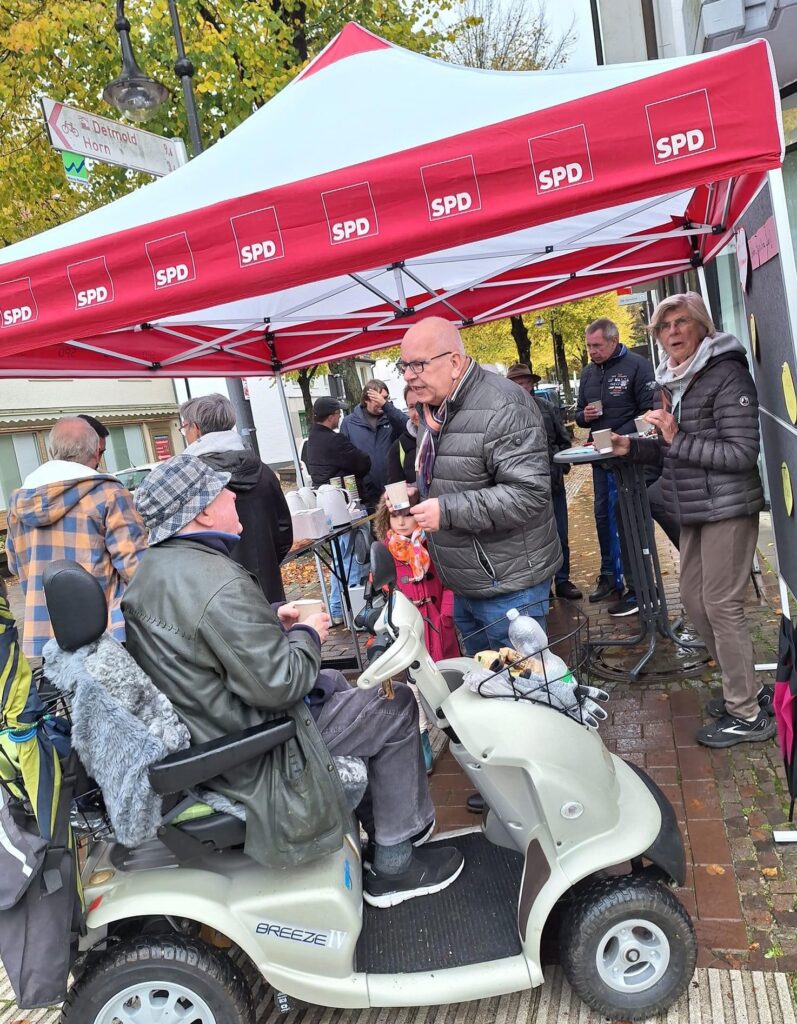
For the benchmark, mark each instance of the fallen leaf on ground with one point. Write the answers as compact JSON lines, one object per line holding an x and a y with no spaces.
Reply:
{"x":664,"y":696}
{"x":754,"y":946}
{"x":769,"y":872}
{"x":715,"y":869}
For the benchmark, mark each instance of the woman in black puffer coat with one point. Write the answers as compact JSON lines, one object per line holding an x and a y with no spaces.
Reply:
{"x":708,"y":448}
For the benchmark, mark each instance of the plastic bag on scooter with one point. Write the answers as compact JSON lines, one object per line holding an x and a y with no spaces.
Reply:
{"x":580,"y":703}
{"x":41,"y":909}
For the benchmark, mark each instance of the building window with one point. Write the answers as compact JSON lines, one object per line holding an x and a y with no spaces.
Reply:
{"x":19,"y":455}
{"x":124,"y":448}
{"x":303,"y":422}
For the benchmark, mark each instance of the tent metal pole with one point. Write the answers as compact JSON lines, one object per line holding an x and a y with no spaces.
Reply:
{"x":286,"y":414}
{"x":701,"y":276}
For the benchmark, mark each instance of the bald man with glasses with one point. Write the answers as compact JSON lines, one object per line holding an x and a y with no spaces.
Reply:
{"x":484,"y":484}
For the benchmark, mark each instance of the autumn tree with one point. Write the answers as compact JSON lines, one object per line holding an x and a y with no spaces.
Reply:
{"x":244,"y":51}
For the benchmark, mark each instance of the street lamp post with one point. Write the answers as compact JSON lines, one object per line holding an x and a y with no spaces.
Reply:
{"x":139,"y":96}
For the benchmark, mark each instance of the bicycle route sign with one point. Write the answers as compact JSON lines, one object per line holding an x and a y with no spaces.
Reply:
{"x":113,"y":142}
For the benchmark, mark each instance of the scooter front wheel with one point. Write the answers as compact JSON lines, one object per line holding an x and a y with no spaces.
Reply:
{"x":628,"y":947}
{"x":161,"y":978}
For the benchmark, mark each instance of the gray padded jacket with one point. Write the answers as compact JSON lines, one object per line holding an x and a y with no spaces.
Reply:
{"x":491,"y":473}
{"x":710,"y":471}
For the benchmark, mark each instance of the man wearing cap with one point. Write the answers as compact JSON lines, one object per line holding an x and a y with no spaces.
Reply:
{"x":202,"y":628}
{"x":558,"y":440}
{"x":330,"y":456}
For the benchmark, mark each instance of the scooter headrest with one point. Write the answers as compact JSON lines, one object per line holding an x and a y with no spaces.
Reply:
{"x":75,"y":603}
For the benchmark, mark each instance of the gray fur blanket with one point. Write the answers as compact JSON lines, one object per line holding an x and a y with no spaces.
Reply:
{"x":121,"y":724}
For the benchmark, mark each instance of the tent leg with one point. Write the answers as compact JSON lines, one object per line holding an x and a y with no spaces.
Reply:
{"x":297,"y":462}
{"x":701,"y":276}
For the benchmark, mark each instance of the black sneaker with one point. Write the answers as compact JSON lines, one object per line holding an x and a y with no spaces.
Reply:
{"x":431,"y":869}
{"x":605,"y":588}
{"x":627,"y":605}
{"x":568,"y":590}
{"x":766,"y":701}
{"x":729,"y":731}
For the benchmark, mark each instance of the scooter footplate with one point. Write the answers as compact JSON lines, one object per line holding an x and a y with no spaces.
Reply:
{"x":470,"y":922}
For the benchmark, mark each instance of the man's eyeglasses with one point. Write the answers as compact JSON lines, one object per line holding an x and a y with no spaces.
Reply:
{"x":680,"y":322}
{"x":184,"y":427}
{"x":418,"y":365}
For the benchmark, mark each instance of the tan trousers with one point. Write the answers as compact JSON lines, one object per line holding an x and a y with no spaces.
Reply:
{"x":716,"y":559}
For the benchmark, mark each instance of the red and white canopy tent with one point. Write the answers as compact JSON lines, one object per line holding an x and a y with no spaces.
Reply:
{"x":381,"y":187}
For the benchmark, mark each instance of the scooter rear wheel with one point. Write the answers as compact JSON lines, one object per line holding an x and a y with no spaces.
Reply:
{"x":148,"y":977}
{"x":628,"y":947}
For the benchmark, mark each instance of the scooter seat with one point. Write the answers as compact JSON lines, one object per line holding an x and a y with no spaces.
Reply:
{"x":219,"y":831}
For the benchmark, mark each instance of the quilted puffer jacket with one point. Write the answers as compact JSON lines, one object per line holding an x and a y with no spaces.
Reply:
{"x":491,"y":473}
{"x":710,"y":471}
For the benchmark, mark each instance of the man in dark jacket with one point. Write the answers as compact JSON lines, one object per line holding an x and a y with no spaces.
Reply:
{"x":373,"y":427}
{"x":330,"y":457}
{"x":484,"y":478}
{"x":208,"y":425}
{"x":203,"y":630}
{"x":558,"y":440}
{"x":615,"y":387}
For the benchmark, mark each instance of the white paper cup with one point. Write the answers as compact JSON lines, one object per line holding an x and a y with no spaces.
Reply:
{"x":397,"y":493}
{"x":598,"y":407}
{"x":602,"y":439}
{"x":642,"y":425}
{"x":308,"y":606}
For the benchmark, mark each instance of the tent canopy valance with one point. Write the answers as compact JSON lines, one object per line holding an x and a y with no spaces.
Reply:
{"x":382,"y":186}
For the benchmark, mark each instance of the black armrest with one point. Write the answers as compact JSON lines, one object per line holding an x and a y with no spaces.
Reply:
{"x":187,"y":768}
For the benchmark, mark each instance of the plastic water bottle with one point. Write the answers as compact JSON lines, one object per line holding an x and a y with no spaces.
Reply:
{"x":528,"y":637}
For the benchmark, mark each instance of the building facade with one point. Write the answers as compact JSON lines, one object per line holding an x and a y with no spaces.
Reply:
{"x":141,"y":416}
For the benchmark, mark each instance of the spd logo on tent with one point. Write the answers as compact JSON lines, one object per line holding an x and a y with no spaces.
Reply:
{"x":91,"y":282}
{"x":17,"y":305}
{"x":350,"y":213}
{"x":257,"y":237}
{"x":561,"y":159}
{"x":451,"y":188}
{"x":681,"y":126}
{"x":171,"y":260}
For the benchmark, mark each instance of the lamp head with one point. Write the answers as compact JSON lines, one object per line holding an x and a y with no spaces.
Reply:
{"x":539,"y":322}
{"x":133,"y":93}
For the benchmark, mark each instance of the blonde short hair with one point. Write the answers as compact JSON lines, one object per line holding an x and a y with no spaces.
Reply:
{"x":697,"y":310}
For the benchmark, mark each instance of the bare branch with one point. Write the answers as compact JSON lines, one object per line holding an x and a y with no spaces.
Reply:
{"x":512,"y":36}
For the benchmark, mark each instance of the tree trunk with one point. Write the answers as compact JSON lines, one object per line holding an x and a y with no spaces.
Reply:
{"x":347,"y":370}
{"x":522,"y":341}
{"x":561,"y":367}
{"x":305,"y":379}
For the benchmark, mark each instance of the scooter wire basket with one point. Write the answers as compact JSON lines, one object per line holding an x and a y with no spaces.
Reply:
{"x":556,"y":674}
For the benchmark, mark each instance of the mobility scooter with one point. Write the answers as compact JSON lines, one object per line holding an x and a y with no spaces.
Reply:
{"x":572,"y":836}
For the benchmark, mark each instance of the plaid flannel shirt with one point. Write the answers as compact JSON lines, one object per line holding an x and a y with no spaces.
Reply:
{"x":92,"y":521}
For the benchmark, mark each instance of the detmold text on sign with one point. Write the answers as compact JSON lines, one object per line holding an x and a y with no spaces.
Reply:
{"x":112,"y":142}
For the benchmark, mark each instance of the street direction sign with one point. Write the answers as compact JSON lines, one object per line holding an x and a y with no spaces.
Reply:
{"x":112,"y":142}
{"x":632,"y":299}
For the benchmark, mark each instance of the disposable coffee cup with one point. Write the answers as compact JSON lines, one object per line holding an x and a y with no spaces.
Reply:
{"x":307,"y":607}
{"x":598,"y":407}
{"x":397,"y":493}
{"x":642,"y":425}
{"x":602,"y":439}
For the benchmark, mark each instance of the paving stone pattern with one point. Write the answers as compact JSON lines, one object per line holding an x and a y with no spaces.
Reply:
{"x":741,"y":889}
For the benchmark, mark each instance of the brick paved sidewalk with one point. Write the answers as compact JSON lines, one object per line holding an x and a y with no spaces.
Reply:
{"x":741,"y":890}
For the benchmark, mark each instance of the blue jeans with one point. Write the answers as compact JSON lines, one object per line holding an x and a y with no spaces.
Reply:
{"x":560,"y":515}
{"x":351,"y":569}
{"x":607,"y":522}
{"x":483,"y":622}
